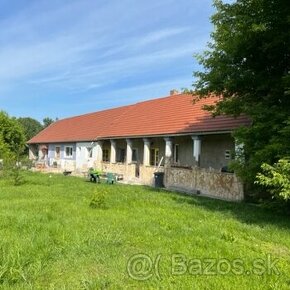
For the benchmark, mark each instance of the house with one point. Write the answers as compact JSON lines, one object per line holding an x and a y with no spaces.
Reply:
{"x":171,"y":134}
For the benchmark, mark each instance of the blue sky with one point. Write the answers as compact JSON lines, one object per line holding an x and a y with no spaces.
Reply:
{"x":64,"y":58}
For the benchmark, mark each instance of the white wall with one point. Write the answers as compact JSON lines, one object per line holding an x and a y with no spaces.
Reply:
{"x":83,"y":162}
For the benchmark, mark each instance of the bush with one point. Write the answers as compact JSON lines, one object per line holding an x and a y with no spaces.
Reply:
{"x":276,"y":178}
{"x":98,"y":199}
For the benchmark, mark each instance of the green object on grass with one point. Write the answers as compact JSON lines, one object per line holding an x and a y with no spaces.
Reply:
{"x":95,"y":171}
{"x":111,"y":178}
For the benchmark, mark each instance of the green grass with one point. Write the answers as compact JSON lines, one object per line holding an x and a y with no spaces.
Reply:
{"x":50,"y":237}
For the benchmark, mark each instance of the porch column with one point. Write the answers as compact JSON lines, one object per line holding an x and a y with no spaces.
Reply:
{"x":113,"y":151}
{"x":168,"y":149}
{"x":196,"y":148}
{"x":129,"y":151}
{"x":99,"y":151}
{"x":146,"y":156}
{"x":32,"y":151}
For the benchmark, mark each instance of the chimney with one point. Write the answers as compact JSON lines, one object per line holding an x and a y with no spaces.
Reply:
{"x":174,"y":92}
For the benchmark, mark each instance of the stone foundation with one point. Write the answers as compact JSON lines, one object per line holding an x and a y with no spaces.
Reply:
{"x":146,"y":173}
{"x":206,"y":182}
{"x":127,"y":170}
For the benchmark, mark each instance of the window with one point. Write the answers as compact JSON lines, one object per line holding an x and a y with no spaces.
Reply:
{"x":121,"y":155}
{"x":57,"y":152}
{"x":176,"y":153}
{"x":228,"y":154}
{"x":106,"y":155}
{"x":68,"y":151}
{"x":135,"y":155}
{"x":90,"y":152}
{"x":154,"y":156}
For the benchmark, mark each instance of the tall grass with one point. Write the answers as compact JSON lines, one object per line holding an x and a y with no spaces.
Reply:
{"x":51,"y":238}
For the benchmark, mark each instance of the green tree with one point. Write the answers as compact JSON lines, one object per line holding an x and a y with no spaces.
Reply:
{"x":31,"y":127}
{"x":4,"y":150}
{"x":11,"y":134}
{"x":47,"y":121}
{"x":248,"y":63}
{"x":12,"y":141}
{"x":276,"y":178}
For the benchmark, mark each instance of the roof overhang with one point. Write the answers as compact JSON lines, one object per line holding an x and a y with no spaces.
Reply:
{"x":202,"y":133}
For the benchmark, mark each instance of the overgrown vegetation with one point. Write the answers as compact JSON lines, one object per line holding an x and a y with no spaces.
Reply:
{"x":276,"y":178}
{"x":51,"y":239}
{"x":12,"y":144}
{"x":98,"y":199}
{"x":248,"y":63}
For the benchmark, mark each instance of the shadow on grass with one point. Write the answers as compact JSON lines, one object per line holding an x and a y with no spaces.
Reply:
{"x":261,"y":214}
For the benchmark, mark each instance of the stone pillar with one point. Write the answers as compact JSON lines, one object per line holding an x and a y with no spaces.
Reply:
{"x":113,"y":151}
{"x":196,"y":148}
{"x":146,"y":156}
{"x":129,"y":153}
{"x":99,"y":151}
{"x":168,"y":150}
{"x":32,"y":151}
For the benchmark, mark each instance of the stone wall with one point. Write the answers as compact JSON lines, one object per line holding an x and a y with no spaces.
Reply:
{"x":127,"y":170}
{"x":68,"y":165}
{"x":146,"y":173}
{"x":204,"y":181}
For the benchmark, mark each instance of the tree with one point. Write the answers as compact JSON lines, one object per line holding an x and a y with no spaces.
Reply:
{"x":12,"y":141}
{"x":47,"y":121}
{"x":248,"y":64}
{"x":276,"y":178}
{"x":11,"y":134}
{"x":4,"y":150}
{"x":31,"y":127}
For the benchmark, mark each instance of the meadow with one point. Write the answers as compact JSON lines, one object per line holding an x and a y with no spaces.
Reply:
{"x":135,"y":237}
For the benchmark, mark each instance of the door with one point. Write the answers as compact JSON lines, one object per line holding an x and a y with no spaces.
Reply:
{"x":154,"y":156}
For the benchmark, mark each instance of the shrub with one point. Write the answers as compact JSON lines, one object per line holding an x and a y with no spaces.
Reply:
{"x":276,"y":178}
{"x":98,"y":199}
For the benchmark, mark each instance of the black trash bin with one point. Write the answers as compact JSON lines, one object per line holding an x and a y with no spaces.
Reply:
{"x":158,"y":178}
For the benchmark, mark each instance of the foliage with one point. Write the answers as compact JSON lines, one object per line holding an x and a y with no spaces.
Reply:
{"x":12,"y":142}
{"x":11,"y":134}
{"x":16,"y":174}
{"x":49,"y":239}
{"x":276,"y":178}
{"x":13,"y":165}
{"x":30,"y":126}
{"x":47,"y":121}
{"x":4,"y":149}
{"x":98,"y":199}
{"x":248,"y":63}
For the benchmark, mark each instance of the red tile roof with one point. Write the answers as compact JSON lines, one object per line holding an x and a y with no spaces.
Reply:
{"x":164,"y":116}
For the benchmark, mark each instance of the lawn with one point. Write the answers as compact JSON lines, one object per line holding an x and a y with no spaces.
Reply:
{"x":140,"y":238}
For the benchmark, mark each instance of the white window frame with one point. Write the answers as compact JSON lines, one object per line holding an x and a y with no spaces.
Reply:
{"x":155,"y":157}
{"x":65,"y":152}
